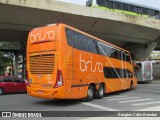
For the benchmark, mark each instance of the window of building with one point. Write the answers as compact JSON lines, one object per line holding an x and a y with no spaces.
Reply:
{"x":101,"y":3}
{"x":145,"y":11}
{"x":125,"y":6}
{"x":151,"y":12}
{"x":109,"y":4}
{"x":131,"y":8}
{"x":117,"y":5}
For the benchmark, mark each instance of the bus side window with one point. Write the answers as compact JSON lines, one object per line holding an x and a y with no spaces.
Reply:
{"x":83,"y":42}
{"x":115,"y":54}
{"x":92,"y":46}
{"x":105,"y":50}
{"x":72,"y":38}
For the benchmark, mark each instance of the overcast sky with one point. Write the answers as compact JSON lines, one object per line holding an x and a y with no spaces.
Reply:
{"x":151,"y":3}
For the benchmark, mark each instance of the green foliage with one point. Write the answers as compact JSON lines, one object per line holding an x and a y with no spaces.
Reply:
{"x":6,"y":59}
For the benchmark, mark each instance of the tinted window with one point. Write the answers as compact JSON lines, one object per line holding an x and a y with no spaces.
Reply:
{"x":18,"y":80}
{"x":151,"y":12}
{"x":117,"y":5}
{"x":82,"y":42}
{"x":109,"y":72}
{"x":125,"y":6}
{"x":139,"y":64}
{"x":145,"y":11}
{"x":92,"y":46}
{"x":115,"y":54}
{"x":131,"y":8}
{"x":105,"y":49}
{"x":101,"y":3}
{"x":109,"y":4}
{"x":7,"y":79}
{"x":128,"y":58}
{"x":72,"y":38}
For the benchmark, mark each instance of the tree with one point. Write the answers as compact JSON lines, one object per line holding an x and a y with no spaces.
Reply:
{"x":6,"y":59}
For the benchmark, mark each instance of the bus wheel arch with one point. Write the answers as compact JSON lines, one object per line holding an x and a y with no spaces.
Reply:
{"x":99,"y":93}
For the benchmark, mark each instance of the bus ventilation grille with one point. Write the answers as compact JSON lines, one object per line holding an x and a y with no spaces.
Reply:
{"x":42,"y":64}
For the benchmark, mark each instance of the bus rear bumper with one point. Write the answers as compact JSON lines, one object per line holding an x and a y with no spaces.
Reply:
{"x":46,"y":93}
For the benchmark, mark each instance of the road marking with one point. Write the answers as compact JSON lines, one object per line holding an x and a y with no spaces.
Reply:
{"x":127,"y":101}
{"x":122,"y":98}
{"x":99,"y":107}
{"x":153,"y":85}
{"x":155,"y":108}
{"x":149,"y":91}
{"x":146,"y":103}
{"x":116,"y":96}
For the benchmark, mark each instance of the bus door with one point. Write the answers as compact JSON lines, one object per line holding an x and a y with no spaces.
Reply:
{"x":124,"y":75}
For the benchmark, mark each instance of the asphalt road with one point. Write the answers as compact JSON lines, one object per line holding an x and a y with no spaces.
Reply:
{"x":146,"y":97}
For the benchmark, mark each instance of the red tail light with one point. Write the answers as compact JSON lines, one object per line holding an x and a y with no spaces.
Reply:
{"x":59,"y":80}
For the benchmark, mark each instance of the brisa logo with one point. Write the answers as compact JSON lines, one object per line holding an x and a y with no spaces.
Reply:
{"x":48,"y":35}
{"x":84,"y":65}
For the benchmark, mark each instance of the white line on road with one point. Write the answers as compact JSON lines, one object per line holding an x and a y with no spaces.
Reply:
{"x":155,"y":108}
{"x":121,"y":98}
{"x":117,"y":96}
{"x":99,"y":107}
{"x":128,"y":101}
{"x":149,"y":91}
{"x":146,"y":103}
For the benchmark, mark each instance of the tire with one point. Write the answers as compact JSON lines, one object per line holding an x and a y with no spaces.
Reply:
{"x":90,"y":93}
{"x":1,"y":91}
{"x":99,"y":94}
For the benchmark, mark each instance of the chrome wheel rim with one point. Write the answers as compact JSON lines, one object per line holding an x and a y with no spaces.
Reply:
{"x":90,"y":93}
{"x":101,"y":91}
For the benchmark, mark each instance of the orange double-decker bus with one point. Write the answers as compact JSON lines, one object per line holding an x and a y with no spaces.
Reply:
{"x":66,"y":63}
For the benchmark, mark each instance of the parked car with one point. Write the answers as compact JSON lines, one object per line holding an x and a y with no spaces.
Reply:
{"x":12,"y":84}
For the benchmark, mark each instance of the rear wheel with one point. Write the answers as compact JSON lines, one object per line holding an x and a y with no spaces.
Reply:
{"x":100,"y":92}
{"x":1,"y":91}
{"x":90,"y":93}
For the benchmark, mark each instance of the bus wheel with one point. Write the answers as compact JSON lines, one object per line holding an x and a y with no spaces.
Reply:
{"x":100,"y":92}
{"x":90,"y":93}
{"x":1,"y":91}
{"x":131,"y":86}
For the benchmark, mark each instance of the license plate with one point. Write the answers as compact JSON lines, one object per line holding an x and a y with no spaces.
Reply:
{"x":40,"y":92}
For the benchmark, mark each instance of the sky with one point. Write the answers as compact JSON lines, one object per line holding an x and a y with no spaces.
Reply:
{"x":150,"y":3}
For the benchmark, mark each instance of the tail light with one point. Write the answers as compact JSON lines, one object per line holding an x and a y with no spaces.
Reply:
{"x":59,"y":79}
